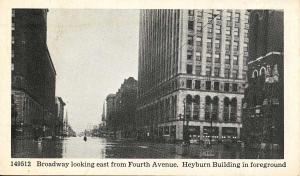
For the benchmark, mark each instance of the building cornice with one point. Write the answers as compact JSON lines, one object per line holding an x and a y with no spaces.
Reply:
{"x":262,"y":57}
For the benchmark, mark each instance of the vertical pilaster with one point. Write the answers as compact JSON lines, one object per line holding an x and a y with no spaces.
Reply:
{"x":201,"y":132}
{"x":232,"y":41}
{"x":241,"y":47}
{"x":221,"y":108}
{"x":238,"y":130}
{"x":204,"y":43}
{"x":220,"y":133}
{"x":213,"y":46}
{"x":202,"y":107}
{"x":223,"y":39}
{"x":239,"y":108}
{"x":182,"y":40}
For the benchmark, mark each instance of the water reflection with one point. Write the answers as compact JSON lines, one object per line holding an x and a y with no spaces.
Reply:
{"x":76,"y":147}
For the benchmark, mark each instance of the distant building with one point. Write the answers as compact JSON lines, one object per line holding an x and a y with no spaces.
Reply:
{"x":103,"y":116}
{"x":125,"y":102}
{"x":67,"y":129}
{"x":33,"y":75}
{"x":121,"y":109}
{"x":263,"y":109}
{"x":110,"y":111}
{"x":191,"y":73}
{"x":102,"y":126}
{"x":60,"y":110}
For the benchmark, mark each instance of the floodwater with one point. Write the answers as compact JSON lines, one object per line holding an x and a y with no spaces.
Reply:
{"x":76,"y":147}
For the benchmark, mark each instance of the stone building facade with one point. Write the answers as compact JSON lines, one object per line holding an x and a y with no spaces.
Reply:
{"x":33,"y":75}
{"x":192,"y":73}
{"x":121,"y":109}
{"x":263,"y":107}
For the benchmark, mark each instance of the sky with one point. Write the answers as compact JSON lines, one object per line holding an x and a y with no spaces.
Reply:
{"x":93,"y":51}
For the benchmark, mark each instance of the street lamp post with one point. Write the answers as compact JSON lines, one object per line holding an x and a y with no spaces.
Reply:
{"x":210,"y":114}
{"x":185,"y":127}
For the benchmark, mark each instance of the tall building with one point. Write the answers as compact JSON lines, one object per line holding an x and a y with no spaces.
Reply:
{"x":121,"y":109}
{"x":33,"y":74}
{"x":125,"y":108}
{"x":191,"y":73}
{"x":263,"y":108}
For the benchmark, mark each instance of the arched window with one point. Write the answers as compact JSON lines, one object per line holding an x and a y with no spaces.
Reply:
{"x":215,"y":108}
{"x":255,"y":74}
{"x":196,"y":108}
{"x":262,"y":71}
{"x":207,"y":107}
{"x":188,"y":108}
{"x":226,"y":109}
{"x":233,"y":110}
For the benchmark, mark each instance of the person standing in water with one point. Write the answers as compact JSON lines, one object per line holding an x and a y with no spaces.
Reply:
{"x":85,"y":138}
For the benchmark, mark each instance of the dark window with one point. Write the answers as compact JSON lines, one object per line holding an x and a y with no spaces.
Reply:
{"x":216,"y":85}
{"x":189,"y":69}
{"x":208,"y":58}
{"x":189,"y":57}
{"x":237,"y":17}
{"x":227,"y":73}
{"x":208,"y":85}
{"x":244,"y":75}
{"x":245,"y":61}
{"x":235,"y":60}
{"x":217,"y":71}
{"x":190,"y":41}
{"x":227,"y":59}
{"x":207,"y":108}
{"x":226,"y":87}
{"x":234,"y":74}
{"x":191,"y":12}
{"x":234,"y":87}
{"x":218,"y":29}
{"x":198,"y":70}
{"x":217,"y":58}
{"x":189,"y":83}
{"x":226,"y":109}
{"x":197,"y":84}
{"x":191,"y":25}
{"x":208,"y":71}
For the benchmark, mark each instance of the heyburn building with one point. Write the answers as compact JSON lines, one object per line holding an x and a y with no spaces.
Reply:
{"x":192,"y":73}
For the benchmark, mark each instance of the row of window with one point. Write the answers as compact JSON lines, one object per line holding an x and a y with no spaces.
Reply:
{"x":208,"y":85}
{"x":189,"y":70}
{"x":228,"y":31}
{"x":217,"y":43}
{"x":210,"y":15}
{"x":211,"y":108}
{"x":217,"y":58}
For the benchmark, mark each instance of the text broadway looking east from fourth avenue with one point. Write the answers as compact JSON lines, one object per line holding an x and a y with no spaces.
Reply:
{"x":158,"y":164}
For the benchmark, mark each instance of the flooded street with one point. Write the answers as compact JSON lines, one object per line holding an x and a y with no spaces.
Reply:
{"x":76,"y":147}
